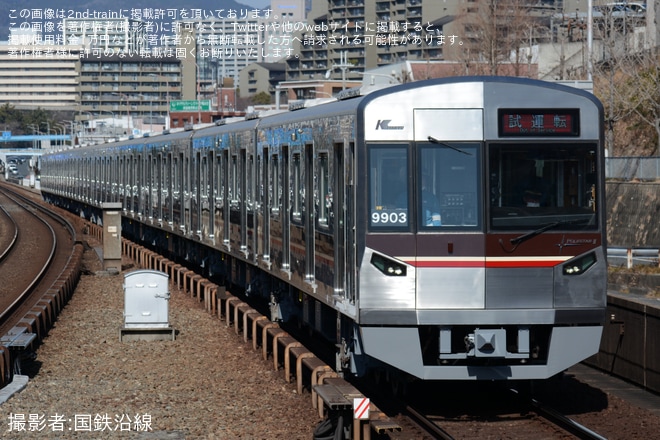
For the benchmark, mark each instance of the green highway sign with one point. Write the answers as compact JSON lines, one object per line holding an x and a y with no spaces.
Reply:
{"x":190,"y":105}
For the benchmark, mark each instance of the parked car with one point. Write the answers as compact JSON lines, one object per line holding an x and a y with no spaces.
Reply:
{"x":622,"y":10}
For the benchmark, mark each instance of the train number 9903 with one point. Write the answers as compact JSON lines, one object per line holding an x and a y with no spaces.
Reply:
{"x":389,"y":218}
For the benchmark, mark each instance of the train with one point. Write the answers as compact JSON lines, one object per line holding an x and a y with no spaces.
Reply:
{"x":444,"y":229}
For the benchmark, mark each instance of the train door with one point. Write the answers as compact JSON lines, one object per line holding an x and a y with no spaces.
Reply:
{"x":244,"y":176}
{"x":189,"y":194}
{"x":263,"y":218}
{"x":104,"y":172}
{"x":84,"y":182}
{"x":450,"y":243}
{"x":286,"y":209}
{"x":88,"y":179}
{"x":168,"y":191}
{"x":275,"y":210}
{"x":150,"y":184}
{"x":308,"y":212}
{"x":196,"y":193}
{"x":348,"y":209}
{"x":236,"y":208}
{"x":251,"y":208}
{"x":212,"y":183}
{"x":219,"y":193}
{"x":227,"y":199}
{"x":132,"y":163}
{"x":122,"y":181}
{"x":112,"y":178}
{"x":177,"y":183}
{"x":140,"y":185}
{"x":160,"y":172}
{"x":97,"y":178}
{"x":339,"y":214}
{"x":207,"y":194}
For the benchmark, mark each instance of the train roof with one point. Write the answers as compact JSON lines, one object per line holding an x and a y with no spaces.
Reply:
{"x":243,"y":124}
{"x":322,"y":110}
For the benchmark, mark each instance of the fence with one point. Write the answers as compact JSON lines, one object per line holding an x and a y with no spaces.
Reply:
{"x":633,"y":256}
{"x":633,"y":168}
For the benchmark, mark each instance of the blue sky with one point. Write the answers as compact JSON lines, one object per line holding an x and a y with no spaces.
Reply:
{"x":255,"y":3}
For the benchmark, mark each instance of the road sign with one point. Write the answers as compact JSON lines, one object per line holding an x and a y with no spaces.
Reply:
{"x":190,"y":105}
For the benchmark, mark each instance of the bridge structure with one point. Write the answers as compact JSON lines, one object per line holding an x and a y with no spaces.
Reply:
{"x":7,"y":136}
{"x":40,"y":143}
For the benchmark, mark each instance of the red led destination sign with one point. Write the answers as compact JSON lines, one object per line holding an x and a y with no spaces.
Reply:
{"x":544,"y":122}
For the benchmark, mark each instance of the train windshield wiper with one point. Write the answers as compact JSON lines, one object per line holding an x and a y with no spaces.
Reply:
{"x":435,"y":141}
{"x":516,"y":241}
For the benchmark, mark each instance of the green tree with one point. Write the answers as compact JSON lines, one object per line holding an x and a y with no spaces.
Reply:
{"x":261,"y":98}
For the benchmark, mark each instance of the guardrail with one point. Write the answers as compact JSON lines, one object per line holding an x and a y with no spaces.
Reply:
{"x":633,"y":168}
{"x":629,"y":257}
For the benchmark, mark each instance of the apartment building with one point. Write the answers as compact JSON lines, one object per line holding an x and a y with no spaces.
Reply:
{"x":261,"y":77}
{"x":39,"y":75}
{"x":109,"y":36}
{"x":348,"y":36}
{"x":219,"y":48}
{"x":128,"y":88}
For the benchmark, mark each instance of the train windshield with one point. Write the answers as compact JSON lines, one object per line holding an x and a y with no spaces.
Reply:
{"x":536,"y":185}
{"x":448,"y":180}
{"x":439,"y":191}
{"x":388,"y":182}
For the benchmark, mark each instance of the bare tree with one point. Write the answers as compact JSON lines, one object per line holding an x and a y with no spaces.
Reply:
{"x":499,"y":33}
{"x":627,"y":81}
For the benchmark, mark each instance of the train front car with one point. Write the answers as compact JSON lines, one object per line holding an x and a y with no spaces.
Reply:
{"x":483,"y":254}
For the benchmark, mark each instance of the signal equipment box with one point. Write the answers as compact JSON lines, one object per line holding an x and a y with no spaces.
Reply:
{"x":111,"y":236}
{"x":146,"y":307}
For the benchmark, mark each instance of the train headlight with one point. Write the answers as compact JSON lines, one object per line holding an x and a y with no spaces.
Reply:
{"x":580,"y":265}
{"x":387,"y":266}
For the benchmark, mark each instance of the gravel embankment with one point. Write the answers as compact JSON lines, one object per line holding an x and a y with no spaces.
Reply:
{"x":207,"y":384}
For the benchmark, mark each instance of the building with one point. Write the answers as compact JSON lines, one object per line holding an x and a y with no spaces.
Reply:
{"x":128,"y":88}
{"x":39,"y":75}
{"x":107,"y":36}
{"x":315,"y":89}
{"x":261,"y":77}
{"x":223,"y":104}
{"x":219,"y":48}
{"x":345,"y":37}
{"x":278,"y":30}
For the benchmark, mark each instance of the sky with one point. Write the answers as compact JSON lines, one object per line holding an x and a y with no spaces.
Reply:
{"x":255,"y":3}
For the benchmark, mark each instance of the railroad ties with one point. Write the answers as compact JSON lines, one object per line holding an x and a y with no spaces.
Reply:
{"x":330,"y":394}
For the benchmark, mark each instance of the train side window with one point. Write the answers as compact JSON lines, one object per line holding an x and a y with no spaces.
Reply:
{"x":219,"y":180}
{"x":324,"y":201}
{"x":233,"y":181}
{"x":249,"y":190}
{"x":204,"y":175}
{"x":275,"y":196}
{"x":389,"y":199}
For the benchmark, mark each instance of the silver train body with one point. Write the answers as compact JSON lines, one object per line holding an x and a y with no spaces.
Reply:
{"x":446,"y":229}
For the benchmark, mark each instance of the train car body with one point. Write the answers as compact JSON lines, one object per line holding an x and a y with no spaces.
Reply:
{"x":445,"y":229}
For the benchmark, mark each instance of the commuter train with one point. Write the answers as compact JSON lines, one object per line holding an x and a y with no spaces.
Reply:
{"x":447,"y":229}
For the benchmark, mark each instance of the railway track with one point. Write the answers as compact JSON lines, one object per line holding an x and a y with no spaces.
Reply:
{"x":491,"y":413}
{"x":39,"y":260}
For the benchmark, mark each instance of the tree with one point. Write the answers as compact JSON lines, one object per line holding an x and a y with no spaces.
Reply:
{"x":261,"y":98}
{"x":499,"y":33}
{"x":627,"y":81}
